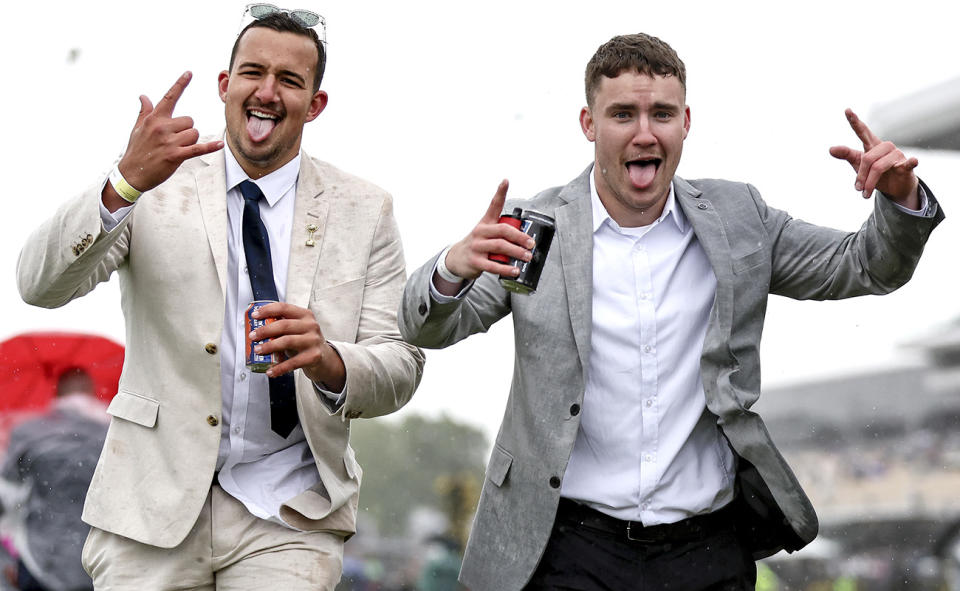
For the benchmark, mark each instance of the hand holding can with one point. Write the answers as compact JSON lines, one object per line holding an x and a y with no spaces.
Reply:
{"x":541,"y":228}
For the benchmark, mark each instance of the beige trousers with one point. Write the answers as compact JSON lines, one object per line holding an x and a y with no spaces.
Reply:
{"x":228,"y":548}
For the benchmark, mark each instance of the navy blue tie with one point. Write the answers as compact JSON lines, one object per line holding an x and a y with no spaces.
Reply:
{"x":256,"y":248}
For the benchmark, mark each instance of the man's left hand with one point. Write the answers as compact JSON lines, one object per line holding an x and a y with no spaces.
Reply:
{"x":881,"y":165}
{"x":297,"y":340}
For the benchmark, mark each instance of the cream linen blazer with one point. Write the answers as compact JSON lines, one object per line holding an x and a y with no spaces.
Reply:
{"x":171,"y":257}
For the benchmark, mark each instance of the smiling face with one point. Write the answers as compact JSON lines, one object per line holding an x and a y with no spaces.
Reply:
{"x":638,"y":123}
{"x":268,"y":98}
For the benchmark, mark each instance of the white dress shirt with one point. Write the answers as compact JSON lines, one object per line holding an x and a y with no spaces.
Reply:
{"x":647,"y":449}
{"x":257,"y":467}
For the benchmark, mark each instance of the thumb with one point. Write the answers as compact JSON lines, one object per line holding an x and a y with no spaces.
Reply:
{"x":146,"y":107}
{"x":850,"y":155}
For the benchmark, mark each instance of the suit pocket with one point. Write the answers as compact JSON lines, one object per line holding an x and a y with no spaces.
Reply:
{"x":500,"y":462}
{"x":749,"y":261}
{"x":134,"y":408}
{"x":346,"y":290}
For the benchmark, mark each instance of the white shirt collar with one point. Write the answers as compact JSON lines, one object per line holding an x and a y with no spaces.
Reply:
{"x":274,"y":185}
{"x":600,"y":214}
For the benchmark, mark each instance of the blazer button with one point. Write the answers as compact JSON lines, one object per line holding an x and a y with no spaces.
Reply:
{"x":210,"y":348}
{"x":213,"y":421}
{"x":701,"y":206}
{"x":554,"y":482}
{"x":422,"y":309}
{"x":574,"y":410}
{"x":354,"y":414}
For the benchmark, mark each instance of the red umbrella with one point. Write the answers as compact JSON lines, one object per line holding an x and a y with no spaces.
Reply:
{"x":31,"y":363}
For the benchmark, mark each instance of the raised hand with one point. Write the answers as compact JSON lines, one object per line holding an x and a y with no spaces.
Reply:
{"x":160,"y":142}
{"x":881,"y":165}
{"x":469,"y":257}
{"x":297,"y":339}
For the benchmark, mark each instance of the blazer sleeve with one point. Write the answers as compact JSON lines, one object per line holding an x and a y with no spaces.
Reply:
{"x":70,"y":253}
{"x":383,"y":371}
{"x":813,"y":262}
{"x":435,"y":325}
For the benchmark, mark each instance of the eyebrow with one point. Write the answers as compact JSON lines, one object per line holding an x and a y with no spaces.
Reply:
{"x":658,"y":106}
{"x":259,"y":66}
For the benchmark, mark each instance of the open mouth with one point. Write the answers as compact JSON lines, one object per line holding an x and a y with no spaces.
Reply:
{"x":260,"y":124}
{"x":642,"y":171}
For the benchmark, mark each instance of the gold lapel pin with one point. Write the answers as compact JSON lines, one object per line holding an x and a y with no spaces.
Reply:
{"x":311,"y":228}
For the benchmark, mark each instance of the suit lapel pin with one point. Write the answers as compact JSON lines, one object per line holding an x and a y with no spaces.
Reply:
{"x":311,"y":228}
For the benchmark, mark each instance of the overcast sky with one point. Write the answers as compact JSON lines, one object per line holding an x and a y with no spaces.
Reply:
{"x":438,"y":101}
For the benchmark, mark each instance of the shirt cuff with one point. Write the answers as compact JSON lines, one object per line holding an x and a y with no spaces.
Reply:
{"x":112,"y":220}
{"x":924,"y":204}
{"x":333,"y":400}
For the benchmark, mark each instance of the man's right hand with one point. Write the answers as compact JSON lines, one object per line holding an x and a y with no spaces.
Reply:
{"x":158,"y":144}
{"x":470,"y":257}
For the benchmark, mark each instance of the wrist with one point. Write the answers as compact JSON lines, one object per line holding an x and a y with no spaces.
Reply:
{"x":445,"y":273}
{"x":124,"y":189}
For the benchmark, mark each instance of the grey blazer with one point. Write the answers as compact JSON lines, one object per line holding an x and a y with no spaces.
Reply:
{"x":754,"y":251}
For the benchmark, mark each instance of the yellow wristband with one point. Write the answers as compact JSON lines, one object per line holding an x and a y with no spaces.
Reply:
{"x":122,"y":187}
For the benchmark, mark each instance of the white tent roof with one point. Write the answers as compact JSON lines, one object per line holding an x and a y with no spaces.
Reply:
{"x":927,"y":119}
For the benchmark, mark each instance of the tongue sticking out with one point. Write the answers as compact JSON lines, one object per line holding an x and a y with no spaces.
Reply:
{"x":641,"y":175}
{"x":259,"y":128}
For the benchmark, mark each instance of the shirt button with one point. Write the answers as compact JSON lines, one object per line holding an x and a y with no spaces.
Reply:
{"x":422,"y":309}
{"x":244,"y":268}
{"x":649,"y":402}
{"x":213,"y":421}
{"x":574,"y":410}
{"x":243,"y":376}
{"x":236,"y":430}
{"x":554,"y":482}
{"x":648,"y":458}
{"x":210,"y":348}
{"x":647,"y":348}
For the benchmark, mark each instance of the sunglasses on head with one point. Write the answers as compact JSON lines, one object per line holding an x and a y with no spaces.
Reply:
{"x":307,"y":18}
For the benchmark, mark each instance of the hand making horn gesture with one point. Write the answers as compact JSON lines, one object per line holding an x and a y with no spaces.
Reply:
{"x":881,"y":165}
{"x":160,"y":142}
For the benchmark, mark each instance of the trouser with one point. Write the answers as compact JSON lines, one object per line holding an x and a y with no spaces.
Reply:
{"x":228,"y":548}
{"x":591,"y":551}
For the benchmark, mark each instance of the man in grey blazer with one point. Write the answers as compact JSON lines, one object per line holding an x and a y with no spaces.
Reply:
{"x":628,"y":456}
{"x":212,"y":476}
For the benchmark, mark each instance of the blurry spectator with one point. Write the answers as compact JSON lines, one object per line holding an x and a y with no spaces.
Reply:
{"x":442,"y":566}
{"x":49,"y":464}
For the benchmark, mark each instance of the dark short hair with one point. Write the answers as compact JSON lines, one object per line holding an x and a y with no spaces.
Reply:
{"x":640,"y":52}
{"x":284,"y":23}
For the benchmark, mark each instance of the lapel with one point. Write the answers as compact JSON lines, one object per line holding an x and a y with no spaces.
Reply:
{"x":307,"y":232}
{"x":708,"y":227}
{"x":574,"y":220}
{"x":212,"y":194}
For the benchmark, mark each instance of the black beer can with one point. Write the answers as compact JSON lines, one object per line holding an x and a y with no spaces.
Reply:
{"x":541,"y":228}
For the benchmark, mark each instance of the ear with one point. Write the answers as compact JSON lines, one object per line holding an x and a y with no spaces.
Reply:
{"x":222,"y":81}
{"x":686,"y":121}
{"x":586,"y":124}
{"x":317,"y":104}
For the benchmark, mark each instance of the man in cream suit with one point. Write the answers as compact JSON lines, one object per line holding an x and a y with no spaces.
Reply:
{"x":189,"y":412}
{"x":628,"y":457}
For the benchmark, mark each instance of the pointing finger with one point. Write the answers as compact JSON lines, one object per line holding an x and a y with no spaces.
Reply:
{"x":496,"y":205}
{"x":169,"y":101}
{"x":863,"y":132}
